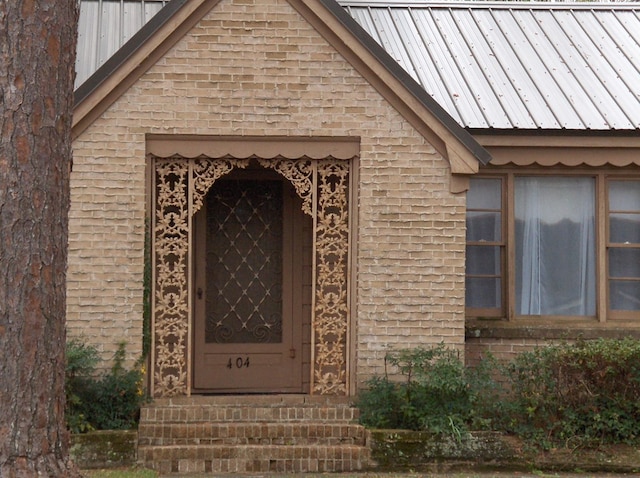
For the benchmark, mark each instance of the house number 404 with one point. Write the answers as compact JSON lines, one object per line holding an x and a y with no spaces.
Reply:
{"x":238,"y":363}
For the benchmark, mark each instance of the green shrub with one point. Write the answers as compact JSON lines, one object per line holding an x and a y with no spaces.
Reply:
{"x":81,"y":364}
{"x":582,"y":394}
{"x":579,"y":394}
{"x":438,"y":393}
{"x":108,"y":402}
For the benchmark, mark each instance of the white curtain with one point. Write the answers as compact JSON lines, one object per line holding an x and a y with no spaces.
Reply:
{"x":555,"y":246}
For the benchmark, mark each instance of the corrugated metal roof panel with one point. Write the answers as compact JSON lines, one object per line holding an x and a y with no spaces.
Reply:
{"x":512,"y":65}
{"x":503,"y":66}
{"x":104,"y":26}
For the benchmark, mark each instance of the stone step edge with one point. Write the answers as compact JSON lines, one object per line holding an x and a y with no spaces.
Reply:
{"x":250,"y":433}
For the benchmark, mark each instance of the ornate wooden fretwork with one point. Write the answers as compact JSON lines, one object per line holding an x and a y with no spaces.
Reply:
{"x":331,"y":294}
{"x":207,"y":171}
{"x":171,"y":304}
{"x":300,"y":173}
{"x":180,"y":186}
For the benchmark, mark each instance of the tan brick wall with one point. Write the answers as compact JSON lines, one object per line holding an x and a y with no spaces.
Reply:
{"x":504,"y":350}
{"x":258,"y":68}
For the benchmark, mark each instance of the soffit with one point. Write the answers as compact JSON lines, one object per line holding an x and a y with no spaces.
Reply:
{"x":562,"y":150}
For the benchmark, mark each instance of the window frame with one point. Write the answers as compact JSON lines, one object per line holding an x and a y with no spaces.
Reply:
{"x":484,"y":311}
{"x":615,"y":313}
{"x":603,"y":311}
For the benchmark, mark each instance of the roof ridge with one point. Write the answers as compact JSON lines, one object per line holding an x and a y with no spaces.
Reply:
{"x":497,"y":5}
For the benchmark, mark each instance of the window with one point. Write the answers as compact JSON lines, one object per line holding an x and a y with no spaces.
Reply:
{"x":557,"y":246}
{"x":624,"y":246}
{"x":485,"y":246}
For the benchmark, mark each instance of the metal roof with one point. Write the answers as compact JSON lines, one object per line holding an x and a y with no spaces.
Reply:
{"x":104,"y":26}
{"x":525,"y":66}
{"x":491,"y":66}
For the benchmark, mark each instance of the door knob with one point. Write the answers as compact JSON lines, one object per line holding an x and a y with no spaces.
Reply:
{"x":199,"y":292}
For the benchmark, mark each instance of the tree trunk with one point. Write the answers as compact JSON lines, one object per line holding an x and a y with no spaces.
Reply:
{"x":37,"y":56}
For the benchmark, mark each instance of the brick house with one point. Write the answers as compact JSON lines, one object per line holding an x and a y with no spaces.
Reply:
{"x":323,"y":182}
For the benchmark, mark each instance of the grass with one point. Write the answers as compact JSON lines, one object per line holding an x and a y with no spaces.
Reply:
{"x":121,"y":473}
{"x":142,"y":473}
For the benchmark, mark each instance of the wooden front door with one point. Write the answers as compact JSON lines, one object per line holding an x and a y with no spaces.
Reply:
{"x":249,"y":287}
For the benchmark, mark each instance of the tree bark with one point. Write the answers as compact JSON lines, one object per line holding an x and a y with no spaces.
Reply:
{"x":37,"y":56}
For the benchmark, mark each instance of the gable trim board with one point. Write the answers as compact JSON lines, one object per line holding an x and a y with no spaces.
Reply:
{"x":342,"y":32}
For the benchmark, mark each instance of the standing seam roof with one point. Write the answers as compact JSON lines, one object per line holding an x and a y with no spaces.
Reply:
{"x":104,"y":26}
{"x":491,"y":66}
{"x":512,"y":65}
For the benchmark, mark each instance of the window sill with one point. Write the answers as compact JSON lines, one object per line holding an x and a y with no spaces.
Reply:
{"x":545,"y":329}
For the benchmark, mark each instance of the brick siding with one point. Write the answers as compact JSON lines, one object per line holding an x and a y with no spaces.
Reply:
{"x":258,"y":68}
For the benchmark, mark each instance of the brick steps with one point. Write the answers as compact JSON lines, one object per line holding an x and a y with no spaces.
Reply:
{"x":254,"y":458}
{"x":224,"y":433}
{"x":229,"y":434}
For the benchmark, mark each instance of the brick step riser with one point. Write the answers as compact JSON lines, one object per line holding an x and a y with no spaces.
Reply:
{"x":252,"y":452}
{"x":300,"y":401}
{"x":329,"y":441}
{"x":232,"y":435}
{"x":279,"y":434}
{"x":245,"y":414}
{"x":231,"y":466}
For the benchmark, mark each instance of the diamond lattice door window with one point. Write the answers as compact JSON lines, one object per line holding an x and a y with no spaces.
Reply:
{"x":249,"y":288}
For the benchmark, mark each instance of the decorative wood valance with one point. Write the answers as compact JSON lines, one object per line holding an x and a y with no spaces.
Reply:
{"x":243,"y":147}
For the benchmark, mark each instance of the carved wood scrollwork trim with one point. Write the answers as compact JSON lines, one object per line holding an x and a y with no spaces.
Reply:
{"x":206,"y":172}
{"x":323,"y":185}
{"x":331,"y":276}
{"x":300,"y":173}
{"x":170,"y":261}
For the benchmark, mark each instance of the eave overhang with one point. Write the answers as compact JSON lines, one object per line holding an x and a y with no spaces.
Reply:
{"x":145,"y":48}
{"x":562,"y":148}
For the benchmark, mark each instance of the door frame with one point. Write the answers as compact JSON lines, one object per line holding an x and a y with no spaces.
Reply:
{"x":324,"y":177}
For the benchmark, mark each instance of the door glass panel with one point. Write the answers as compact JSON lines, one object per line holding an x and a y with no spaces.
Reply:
{"x":244,"y":262}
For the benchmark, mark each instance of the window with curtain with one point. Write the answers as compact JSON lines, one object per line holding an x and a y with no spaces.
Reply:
{"x":535,"y":246}
{"x":555,"y":246}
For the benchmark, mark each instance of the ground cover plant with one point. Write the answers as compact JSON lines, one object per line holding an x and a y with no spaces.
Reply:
{"x":107,"y":401}
{"x":580,"y":394}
